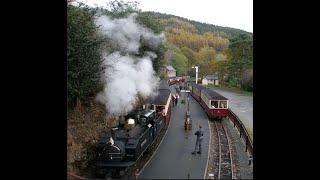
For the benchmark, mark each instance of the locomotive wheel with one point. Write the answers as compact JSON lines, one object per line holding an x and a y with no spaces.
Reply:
{"x":116,"y":173}
{"x":108,"y":174}
{"x":122,"y":172}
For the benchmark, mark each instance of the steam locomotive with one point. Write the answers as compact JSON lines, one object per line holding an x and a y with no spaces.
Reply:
{"x":126,"y":143}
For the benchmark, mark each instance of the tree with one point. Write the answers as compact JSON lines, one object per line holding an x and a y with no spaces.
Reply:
{"x":206,"y":54}
{"x":150,"y":22}
{"x":160,"y":60}
{"x":191,"y":56}
{"x":120,"y":9}
{"x":241,"y":58}
{"x":155,"y":26}
{"x":83,"y":56}
{"x":205,"y":57}
{"x":179,"y":62}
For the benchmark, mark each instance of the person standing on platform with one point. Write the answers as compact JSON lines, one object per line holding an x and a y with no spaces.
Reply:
{"x":173,"y":100}
{"x":199,"y":135}
{"x":250,"y":160}
{"x":177,"y":98}
{"x":136,"y":173}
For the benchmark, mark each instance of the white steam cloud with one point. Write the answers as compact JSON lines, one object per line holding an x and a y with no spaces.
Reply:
{"x":126,"y":33}
{"x":127,"y":76}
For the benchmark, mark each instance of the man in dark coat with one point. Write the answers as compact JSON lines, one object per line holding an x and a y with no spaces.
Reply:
{"x":199,"y":135}
{"x":177,"y":98}
{"x":173,"y":100}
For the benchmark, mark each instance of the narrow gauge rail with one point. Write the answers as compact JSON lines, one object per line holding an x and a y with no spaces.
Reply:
{"x":225,"y":164}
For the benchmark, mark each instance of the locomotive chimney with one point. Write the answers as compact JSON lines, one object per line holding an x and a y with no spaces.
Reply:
{"x":112,"y":132}
{"x":122,"y":120}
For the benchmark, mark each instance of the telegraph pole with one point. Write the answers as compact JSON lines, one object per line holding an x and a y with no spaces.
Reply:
{"x":196,"y":67}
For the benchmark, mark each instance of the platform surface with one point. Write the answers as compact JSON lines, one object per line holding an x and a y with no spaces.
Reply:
{"x":173,"y":158}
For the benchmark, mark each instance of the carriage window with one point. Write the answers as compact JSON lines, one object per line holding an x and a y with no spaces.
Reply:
{"x":223,"y":104}
{"x":214,"y":104}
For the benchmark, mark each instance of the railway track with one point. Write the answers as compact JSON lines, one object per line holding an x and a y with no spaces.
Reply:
{"x":225,"y":163}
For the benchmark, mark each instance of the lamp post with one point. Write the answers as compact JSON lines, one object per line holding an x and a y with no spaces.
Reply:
{"x":196,"y":67}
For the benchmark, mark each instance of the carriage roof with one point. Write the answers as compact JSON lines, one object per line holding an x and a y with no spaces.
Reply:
{"x":163,"y":94}
{"x":197,"y":86}
{"x":212,"y":94}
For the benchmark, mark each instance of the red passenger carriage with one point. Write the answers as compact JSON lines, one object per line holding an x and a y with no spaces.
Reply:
{"x":214,"y":104}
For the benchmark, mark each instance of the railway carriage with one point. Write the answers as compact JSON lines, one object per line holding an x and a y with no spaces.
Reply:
{"x":162,"y":103}
{"x":196,"y":91}
{"x":215,"y":105}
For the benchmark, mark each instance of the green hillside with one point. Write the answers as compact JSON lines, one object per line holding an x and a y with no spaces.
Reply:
{"x":201,"y":27}
{"x":219,"y":50}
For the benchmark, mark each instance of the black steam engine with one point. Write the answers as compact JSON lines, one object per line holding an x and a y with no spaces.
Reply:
{"x":126,"y":143}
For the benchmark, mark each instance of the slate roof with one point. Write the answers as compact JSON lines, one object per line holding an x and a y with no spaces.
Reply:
{"x":211,"y":77}
{"x":170,"y":68}
{"x":163,"y":94}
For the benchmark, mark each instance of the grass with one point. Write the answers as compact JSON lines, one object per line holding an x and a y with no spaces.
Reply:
{"x":231,"y":89}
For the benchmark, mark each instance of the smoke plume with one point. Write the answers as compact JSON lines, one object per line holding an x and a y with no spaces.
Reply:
{"x":126,"y":76}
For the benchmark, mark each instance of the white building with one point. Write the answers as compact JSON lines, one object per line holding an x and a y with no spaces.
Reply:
{"x":210,"y":79}
{"x":170,"y":71}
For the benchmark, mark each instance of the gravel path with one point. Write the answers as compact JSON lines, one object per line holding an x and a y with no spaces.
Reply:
{"x":241,"y":158}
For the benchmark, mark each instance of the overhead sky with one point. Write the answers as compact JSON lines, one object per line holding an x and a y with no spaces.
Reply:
{"x":229,"y":13}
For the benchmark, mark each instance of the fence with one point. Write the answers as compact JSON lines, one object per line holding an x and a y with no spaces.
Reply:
{"x":243,"y":132}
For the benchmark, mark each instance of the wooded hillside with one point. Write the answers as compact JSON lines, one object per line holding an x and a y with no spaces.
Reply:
{"x":224,"y":51}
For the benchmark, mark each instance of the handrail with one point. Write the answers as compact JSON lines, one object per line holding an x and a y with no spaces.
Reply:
{"x":243,"y":131}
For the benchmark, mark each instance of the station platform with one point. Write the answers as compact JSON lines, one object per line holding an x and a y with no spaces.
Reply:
{"x":173,"y":158}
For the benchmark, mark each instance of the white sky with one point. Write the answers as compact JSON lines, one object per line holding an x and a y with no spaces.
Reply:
{"x":229,"y":13}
